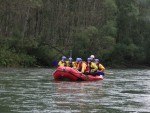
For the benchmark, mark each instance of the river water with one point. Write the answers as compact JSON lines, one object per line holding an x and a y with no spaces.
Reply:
{"x":34,"y":91}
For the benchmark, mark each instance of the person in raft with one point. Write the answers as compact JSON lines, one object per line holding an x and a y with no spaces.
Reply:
{"x":91,"y":67}
{"x":81,"y":66}
{"x":70,"y":63}
{"x":92,"y":58}
{"x":101,"y":68}
{"x":62,"y":62}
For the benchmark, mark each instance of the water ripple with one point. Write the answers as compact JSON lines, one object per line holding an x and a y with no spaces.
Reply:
{"x":35,"y":91}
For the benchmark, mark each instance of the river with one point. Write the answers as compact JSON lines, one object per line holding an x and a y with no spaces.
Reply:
{"x":34,"y":91}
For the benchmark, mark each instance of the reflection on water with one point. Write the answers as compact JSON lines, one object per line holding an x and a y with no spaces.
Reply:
{"x":35,"y":91}
{"x":77,"y":96}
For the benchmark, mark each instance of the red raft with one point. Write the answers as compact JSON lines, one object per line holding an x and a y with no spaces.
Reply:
{"x":67,"y":73}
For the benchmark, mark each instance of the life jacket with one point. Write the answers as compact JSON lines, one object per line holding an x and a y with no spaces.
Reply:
{"x":79,"y":66}
{"x":65,"y":64}
{"x":74,"y":65}
{"x":98,"y":66}
{"x":93,"y":67}
{"x":88,"y":67}
{"x":70,"y":64}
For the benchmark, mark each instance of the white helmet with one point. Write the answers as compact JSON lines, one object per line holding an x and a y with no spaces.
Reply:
{"x":92,"y":56}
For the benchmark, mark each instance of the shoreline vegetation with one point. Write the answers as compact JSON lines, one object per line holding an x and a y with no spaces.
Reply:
{"x":34,"y":33}
{"x":127,"y":66}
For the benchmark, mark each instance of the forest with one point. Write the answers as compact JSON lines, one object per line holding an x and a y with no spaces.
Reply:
{"x":38,"y":32}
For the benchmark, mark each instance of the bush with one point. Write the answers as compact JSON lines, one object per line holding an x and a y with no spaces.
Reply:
{"x":11,"y":59}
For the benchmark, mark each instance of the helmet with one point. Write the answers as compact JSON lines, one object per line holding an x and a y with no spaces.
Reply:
{"x":63,"y":58}
{"x":92,"y":56}
{"x":77,"y":59}
{"x":88,"y":59}
{"x":70,"y":59}
{"x":80,"y":59}
{"x":96,"y":60}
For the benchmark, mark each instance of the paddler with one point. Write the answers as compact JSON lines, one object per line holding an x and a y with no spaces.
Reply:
{"x":62,"y":62}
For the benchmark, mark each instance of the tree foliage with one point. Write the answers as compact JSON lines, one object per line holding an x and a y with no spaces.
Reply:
{"x":36,"y":32}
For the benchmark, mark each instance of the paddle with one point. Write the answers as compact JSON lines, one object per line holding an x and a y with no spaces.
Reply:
{"x":109,"y":73}
{"x":99,"y":73}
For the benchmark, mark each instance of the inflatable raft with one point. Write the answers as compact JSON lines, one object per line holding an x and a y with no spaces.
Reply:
{"x":67,"y":73}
